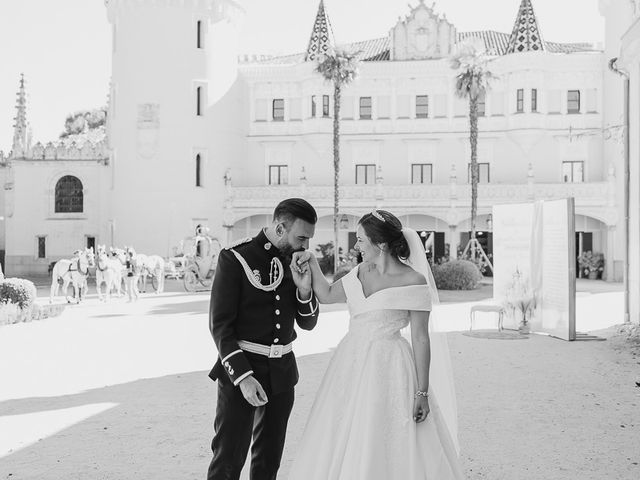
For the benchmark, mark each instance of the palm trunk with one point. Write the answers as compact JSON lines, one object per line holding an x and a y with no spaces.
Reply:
{"x":473,"y":137}
{"x":336,"y":173}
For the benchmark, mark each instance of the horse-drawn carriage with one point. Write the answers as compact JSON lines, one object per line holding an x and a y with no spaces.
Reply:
{"x":197,"y":262}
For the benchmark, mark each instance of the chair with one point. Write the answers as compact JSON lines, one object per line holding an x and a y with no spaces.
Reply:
{"x":487,"y":308}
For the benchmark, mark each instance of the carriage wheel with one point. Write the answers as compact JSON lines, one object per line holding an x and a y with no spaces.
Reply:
{"x":190,"y":281}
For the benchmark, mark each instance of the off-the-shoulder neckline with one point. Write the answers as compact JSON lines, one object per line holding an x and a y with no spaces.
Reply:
{"x":382,"y":289}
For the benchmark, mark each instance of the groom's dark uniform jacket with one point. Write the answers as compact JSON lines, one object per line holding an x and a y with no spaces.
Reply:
{"x":241,"y":311}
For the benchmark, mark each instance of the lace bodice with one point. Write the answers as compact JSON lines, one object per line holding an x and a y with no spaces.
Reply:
{"x":385,"y":312}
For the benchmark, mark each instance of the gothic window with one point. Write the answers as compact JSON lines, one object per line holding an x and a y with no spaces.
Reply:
{"x":313,"y":106}
{"x":42,"y":247}
{"x":422,"y":106}
{"x":199,"y":101}
{"x":573,"y":101}
{"x":573,"y":172}
{"x":520,"y":100}
{"x":534,"y":99}
{"x":365,"y":108}
{"x":325,"y":105}
{"x":278,"y":174}
{"x":199,"y":34}
{"x":278,"y":109}
{"x":198,"y":170}
{"x":421,"y":173}
{"x":69,"y":196}
{"x":483,"y":173}
{"x":481,"y":104}
{"x":365,"y":174}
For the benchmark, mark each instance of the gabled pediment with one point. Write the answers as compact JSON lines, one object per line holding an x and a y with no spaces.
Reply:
{"x":422,"y":34}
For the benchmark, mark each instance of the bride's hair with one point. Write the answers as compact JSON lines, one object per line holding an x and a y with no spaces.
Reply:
{"x":384,"y":227}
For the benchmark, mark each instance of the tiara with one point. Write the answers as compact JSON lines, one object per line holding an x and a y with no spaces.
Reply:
{"x":377,"y":214}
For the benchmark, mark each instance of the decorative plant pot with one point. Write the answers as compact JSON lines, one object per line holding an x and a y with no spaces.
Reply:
{"x":524,"y":329}
{"x":593,"y":275}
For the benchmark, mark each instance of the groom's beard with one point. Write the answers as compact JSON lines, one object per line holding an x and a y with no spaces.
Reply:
{"x":287,"y":251}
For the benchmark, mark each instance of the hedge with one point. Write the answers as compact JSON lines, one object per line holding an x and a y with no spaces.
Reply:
{"x":18,"y":291}
{"x":457,"y":275}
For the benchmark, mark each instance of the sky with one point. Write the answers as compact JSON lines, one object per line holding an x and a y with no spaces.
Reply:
{"x":64,"y":46}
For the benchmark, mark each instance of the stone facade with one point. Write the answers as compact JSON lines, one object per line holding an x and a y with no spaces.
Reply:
{"x":194,"y":136}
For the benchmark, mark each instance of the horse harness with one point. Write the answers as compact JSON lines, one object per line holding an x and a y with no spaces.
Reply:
{"x":78,"y":267}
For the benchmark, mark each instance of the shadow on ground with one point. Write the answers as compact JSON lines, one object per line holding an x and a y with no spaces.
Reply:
{"x":159,"y":428}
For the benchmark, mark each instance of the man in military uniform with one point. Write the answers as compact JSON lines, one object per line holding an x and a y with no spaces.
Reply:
{"x":255,"y":301}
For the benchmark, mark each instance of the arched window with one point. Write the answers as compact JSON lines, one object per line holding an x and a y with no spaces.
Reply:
{"x":69,"y":196}
{"x":199,"y":101}
{"x":198,"y":171}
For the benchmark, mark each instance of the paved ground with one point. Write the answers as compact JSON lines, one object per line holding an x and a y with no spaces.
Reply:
{"x":120,"y":391}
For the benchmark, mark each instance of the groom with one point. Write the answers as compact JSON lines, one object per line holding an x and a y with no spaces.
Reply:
{"x":255,"y":300}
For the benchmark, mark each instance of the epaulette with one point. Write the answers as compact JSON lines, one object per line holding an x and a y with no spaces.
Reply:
{"x":238,"y":242}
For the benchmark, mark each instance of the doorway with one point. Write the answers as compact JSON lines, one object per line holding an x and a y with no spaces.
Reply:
{"x":584,"y":243}
{"x":91,"y":242}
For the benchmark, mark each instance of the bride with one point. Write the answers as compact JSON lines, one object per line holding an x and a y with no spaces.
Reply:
{"x":385,"y":409}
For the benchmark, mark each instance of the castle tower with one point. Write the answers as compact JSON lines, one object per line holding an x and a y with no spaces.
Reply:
{"x":19,"y":146}
{"x":175,"y":115}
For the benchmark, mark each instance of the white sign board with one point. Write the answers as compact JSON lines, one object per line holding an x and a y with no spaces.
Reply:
{"x":534,"y":246}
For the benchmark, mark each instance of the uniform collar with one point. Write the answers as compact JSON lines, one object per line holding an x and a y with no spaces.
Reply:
{"x":263,"y":243}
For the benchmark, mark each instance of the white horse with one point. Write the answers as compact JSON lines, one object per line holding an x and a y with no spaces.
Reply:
{"x":152,"y":265}
{"x":118,"y":255}
{"x":74,"y":271}
{"x":108,"y":271}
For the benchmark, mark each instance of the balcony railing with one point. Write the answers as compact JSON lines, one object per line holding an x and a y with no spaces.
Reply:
{"x":597,"y":194}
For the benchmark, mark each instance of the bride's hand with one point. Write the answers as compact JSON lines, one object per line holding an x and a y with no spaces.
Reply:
{"x":420,"y":408}
{"x":300,"y":261}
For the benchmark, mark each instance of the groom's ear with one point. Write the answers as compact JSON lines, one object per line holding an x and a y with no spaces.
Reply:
{"x":280,"y":229}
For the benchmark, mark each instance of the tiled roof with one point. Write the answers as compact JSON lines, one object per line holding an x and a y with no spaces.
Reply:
{"x":569,"y":47}
{"x":377,"y":50}
{"x":494,"y":42}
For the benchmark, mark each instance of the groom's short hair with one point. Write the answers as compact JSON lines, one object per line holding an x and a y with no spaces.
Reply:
{"x":287,"y":211}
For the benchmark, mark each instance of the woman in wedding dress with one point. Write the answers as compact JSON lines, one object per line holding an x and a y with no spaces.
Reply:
{"x":385,"y":408}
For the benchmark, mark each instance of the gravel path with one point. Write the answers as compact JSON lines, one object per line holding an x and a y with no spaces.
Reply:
{"x":120,"y":391}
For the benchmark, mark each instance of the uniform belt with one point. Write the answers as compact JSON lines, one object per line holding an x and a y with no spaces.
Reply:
{"x":271,"y":351}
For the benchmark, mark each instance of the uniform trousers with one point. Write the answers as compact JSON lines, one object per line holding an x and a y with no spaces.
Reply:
{"x":236,"y":421}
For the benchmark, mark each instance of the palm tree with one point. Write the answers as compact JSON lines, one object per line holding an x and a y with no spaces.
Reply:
{"x":472,"y":83}
{"x":340,"y":68}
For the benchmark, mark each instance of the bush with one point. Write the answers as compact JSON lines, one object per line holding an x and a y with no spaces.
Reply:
{"x":457,"y":275}
{"x":19,"y":292}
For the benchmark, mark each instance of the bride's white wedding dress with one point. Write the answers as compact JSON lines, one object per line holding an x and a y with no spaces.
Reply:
{"x":361,"y":425}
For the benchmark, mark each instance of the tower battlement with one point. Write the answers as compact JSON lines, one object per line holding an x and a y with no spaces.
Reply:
{"x":216,"y":9}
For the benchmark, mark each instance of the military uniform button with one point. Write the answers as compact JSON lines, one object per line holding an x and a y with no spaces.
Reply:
{"x":277,"y":312}
{"x":276,"y":340}
{"x":277,"y":297}
{"x":278,"y":326}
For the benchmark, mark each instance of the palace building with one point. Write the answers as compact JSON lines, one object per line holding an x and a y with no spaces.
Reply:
{"x":197,"y":134}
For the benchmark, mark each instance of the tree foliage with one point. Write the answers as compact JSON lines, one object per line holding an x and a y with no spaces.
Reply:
{"x":472,"y":83}
{"x":84,"y":120}
{"x":340,"y":68}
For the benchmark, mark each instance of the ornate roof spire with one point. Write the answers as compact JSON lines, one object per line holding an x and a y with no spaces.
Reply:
{"x":321,"y":35}
{"x":20,"y":127}
{"x":525,"y":36}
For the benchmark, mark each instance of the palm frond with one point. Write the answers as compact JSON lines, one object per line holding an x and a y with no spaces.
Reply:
{"x":339,"y":66}
{"x":475,"y":77}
